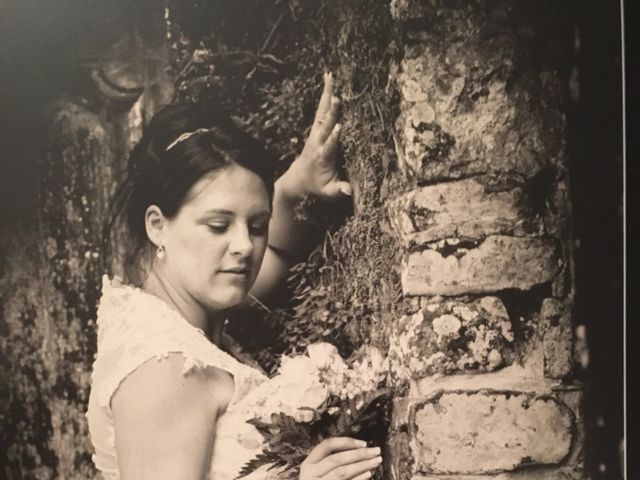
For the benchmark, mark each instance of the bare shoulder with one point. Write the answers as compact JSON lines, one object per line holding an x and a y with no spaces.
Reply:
{"x":165,"y":420}
{"x":160,"y":382}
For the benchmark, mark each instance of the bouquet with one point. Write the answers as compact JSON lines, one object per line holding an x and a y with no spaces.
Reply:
{"x":325,"y":397}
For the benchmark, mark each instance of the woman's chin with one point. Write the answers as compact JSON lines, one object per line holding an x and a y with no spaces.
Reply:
{"x":227,"y":298}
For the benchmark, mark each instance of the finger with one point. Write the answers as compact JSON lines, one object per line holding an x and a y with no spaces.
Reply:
{"x":325,"y":98}
{"x":348,"y":457}
{"x":331,"y":445}
{"x":353,"y":470}
{"x":330,"y":147}
{"x":337,"y":189}
{"x":324,"y":125}
{"x":363,"y":476}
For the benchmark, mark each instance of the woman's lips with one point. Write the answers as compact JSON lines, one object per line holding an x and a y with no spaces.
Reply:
{"x":236,"y":272}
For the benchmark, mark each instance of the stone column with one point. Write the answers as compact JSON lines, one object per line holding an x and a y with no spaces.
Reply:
{"x":484,"y":352}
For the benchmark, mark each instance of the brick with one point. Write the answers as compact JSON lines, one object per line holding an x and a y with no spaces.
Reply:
{"x":452,"y":336}
{"x":465,"y":106}
{"x":573,"y":397}
{"x":480,"y":432}
{"x":464,"y":208}
{"x":497,"y":263}
{"x":557,"y":338}
{"x":554,"y":473}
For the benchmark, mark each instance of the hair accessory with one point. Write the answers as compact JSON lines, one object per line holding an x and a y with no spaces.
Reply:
{"x":160,"y":252}
{"x":185,"y":136}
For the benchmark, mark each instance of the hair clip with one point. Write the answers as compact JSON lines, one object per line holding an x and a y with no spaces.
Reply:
{"x":185,"y":136}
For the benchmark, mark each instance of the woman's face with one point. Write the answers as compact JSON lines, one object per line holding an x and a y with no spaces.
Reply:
{"x":215,"y":243}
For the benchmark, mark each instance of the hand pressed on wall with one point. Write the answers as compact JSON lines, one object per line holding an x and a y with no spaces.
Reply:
{"x":316,"y":171}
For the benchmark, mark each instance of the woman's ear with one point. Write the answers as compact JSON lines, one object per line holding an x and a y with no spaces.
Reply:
{"x":155,"y":224}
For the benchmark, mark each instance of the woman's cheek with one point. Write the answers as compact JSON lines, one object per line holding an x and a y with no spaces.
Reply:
{"x":259,"y":251}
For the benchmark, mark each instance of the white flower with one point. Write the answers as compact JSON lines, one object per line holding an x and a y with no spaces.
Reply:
{"x":299,"y":366}
{"x":297,"y":385}
{"x":289,"y":395}
{"x":312,"y":396}
{"x":365,"y":375}
{"x":304,"y":382}
{"x":324,"y":355}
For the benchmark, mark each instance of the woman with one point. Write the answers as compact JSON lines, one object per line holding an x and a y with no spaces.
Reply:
{"x":165,"y":400}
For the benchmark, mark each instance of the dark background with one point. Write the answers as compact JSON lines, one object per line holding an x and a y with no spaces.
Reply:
{"x":595,"y":160}
{"x":44,"y":44}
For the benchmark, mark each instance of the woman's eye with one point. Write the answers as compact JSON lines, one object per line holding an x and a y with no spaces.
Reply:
{"x":218,"y":227}
{"x":259,"y":229}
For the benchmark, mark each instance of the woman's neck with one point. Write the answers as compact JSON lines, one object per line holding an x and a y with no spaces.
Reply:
{"x":211,"y":324}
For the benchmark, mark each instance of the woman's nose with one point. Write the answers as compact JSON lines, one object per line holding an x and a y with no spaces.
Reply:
{"x":240,"y":242}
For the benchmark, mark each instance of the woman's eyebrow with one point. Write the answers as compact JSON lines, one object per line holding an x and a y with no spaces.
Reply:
{"x":263,"y":213}
{"x":218,"y":211}
{"x":229,"y":213}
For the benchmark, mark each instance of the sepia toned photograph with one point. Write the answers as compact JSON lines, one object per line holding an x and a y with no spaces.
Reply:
{"x":312,"y":240}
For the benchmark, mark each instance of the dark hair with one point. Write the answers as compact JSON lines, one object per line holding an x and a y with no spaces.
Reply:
{"x":161,"y":171}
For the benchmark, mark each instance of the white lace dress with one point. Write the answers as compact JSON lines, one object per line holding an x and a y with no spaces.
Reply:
{"x":135,"y":327}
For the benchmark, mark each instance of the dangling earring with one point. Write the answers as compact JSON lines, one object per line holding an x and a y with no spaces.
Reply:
{"x":160,"y":252}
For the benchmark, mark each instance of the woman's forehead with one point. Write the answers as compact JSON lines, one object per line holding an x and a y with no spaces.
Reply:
{"x":233,"y":188}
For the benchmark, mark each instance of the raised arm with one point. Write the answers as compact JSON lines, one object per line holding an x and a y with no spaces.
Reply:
{"x":315,"y":172}
{"x":165,"y":421}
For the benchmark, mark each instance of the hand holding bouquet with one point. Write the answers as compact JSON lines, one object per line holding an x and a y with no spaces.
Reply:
{"x":316,"y":403}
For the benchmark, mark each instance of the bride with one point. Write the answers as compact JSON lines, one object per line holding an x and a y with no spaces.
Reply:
{"x":207,"y":228}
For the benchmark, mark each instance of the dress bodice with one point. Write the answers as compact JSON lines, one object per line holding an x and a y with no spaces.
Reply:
{"x":135,"y":327}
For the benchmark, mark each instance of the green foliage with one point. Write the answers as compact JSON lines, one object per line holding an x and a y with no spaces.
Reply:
{"x":345,"y":289}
